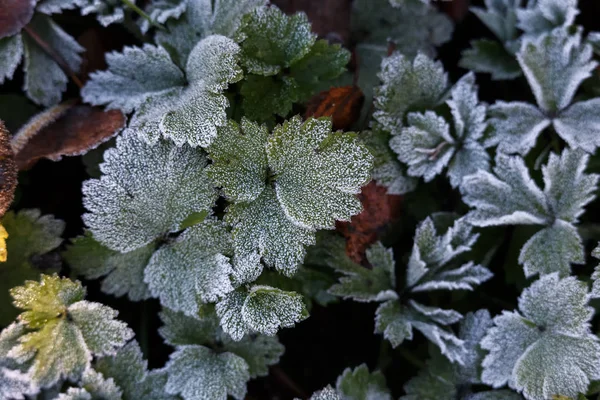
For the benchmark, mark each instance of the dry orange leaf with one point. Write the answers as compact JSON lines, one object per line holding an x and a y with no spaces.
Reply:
{"x":64,"y":130}
{"x":342,"y":104}
{"x":8,"y":171}
{"x":364,"y":229}
{"x":14,"y":15}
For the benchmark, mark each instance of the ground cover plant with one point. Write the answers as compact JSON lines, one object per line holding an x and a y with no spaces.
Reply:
{"x":326,"y":200}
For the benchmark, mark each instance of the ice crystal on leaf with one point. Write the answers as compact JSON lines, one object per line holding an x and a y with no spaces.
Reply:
{"x":224,"y":372}
{"x":186,"y":110}
{"x":62,"y":331}
{"x":547,"y":348}
{"x":44,"y":78}
{"x":554,"y":64}
{"x":511,"y":197}
{"x":427,"y":145}
{"x":360,"y":384}
{"x":284,"y":61}
{"x":160,"y":11}
{"x":286,"y":185}
{"x":596,"y":275}
{"x":93,"y":386}
{"x":542,"y":16}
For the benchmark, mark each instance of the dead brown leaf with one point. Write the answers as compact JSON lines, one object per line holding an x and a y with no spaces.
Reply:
{"x":379,"y":210}
{"x":14,"y":15}
{"x":8,"y":171}
{"x":342,"y":104}
{"x":64,"y":130}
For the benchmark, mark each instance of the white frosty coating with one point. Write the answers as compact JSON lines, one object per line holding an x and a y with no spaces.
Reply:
{"x":130,"y":372}
{"x":229,"y":311}
{"x":545,"y":15}
{"x":407,"y":84}
{"x":273,"y":41}
{"x":44,"y":78}
{"x":197,"y":373}
{"x":567,"y":189}
{"x":396,"y":322}
{"x":146,"y":192}
{"x":360,"y":384}
{"x":595,"y":277}
{"x":258,"y":351}
{"x":94,"y":385}
{"x":328,"y":393}
{"x":490,"y":56}
{"x":550,"y":349}
{"x":239,"y":161}
{"x":121,"y":85}
{"x":579,"y":124}
{"x":466,"y":277}
{"x":14,"y":384}
{"x":317,"y":173}
{"x":108,"y":12}
{"x":123,"y":272}
{"x":76,"y":394}
{"x":161,"y":11}
{"x":193,"y":268}
{"x":555,"y":64}
{"x":500,"y":17}
{"x":11,"y":52}
{"x":364,"y":284}
{"x":517,"y":126}
{"x":56,"y":6}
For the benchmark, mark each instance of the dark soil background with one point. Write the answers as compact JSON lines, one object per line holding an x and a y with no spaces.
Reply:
{"x":341,"y":335}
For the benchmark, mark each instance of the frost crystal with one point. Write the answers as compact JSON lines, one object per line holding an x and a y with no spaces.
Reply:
{"x":162,"y":10}
{"x":547,"y":349}
{"x":287,"y":185}
{"x":93,"y":386}
{"x":359,"y":384}
{"x":511,"y":197}
{"x":596,"y":275}
{"x":165,"y":104}
{"x":544,"y":15}
{"x":554,"y":64}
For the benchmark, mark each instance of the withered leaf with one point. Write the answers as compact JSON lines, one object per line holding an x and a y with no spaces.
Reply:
{"x":364,"y":229}
{"x":64,"y":130}
{"x":342,"y":104}
{"x":14,"y":15}
{"x":8,"y":171}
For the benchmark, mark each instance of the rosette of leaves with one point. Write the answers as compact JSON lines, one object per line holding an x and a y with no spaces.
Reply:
{"x":284,"y":186}
{"x":58,"y":332}
{"x":546,"y":349}
{"x":284,"y":63}
{"x":32,"y":239}
{"x":555,"y":64}
{"x":28,"y":34}
{"x":185,"y":105}
{"x":207,"y":363}
{"x":433,"y":265}
{"x":512,"y":23}
{"x":428,"y":144}
{"x":510,"y":196}
{"x":443,"y":380}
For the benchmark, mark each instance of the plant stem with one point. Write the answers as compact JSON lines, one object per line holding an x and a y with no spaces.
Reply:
{"x":143,"y":14}
{"x":55,"y":56}
{"x":287,"y":381}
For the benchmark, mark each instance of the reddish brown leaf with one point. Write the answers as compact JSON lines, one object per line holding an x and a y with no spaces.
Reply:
{"x":8,"y":171}
{"x":14,"y":15}
{"x":455,"y":9}
{"x":364,"y":229}
{"x":64,"y":130}
{"x":342,"y":104}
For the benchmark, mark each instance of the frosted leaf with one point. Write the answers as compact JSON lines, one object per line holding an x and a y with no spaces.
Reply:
{"x":466,"y":277}
{"x":473,"y":328}
{"x":75,"y":394}
{"x":488,"y":56}
{"x":14,"y":384}
{"x":363,"y":284}
{"x":44,"y":78}
{"x":261,"y":229}
{"x":359,"y":384}
{"x":123,"y":272}
{"x":500,"y":16}
{"x":517,"y":126}
{"x":317,"y":173}
{"x":258,"y":351}
{"x":120,"y":87}
{"x":555,"y":64}
{"x":129,"y":371}
{"x":328,"y":393}
{"x":397,"y":321}
{"x":549,"y":350}
{"x":95,"y":386}
{"x":32,"y":237}
{"x":494,"y":395}
{"x":162,"y":10}
{"x":387,"y":171}
{"x":193,"y":268}
{"x":544,"y":15}
{"x":407,"y":85}
{"x":267,"y":309}
{"x":595,"y":276}
{"x":108,"y":12}
{"x":56,"y":6}
{"x":239,"y":161}
{"x":229,"y":311}
{"x":201,"y":19}
{"x":146,"y":192}
{"x":64,"y":330}
{"x":196,"y":372}
{"x":11,"y":51}
{"x":578,"y":125}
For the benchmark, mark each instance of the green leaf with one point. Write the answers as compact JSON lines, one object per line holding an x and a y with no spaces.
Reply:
{"x":14,"y":384}
{"x":500,"y":16}
{"x":359,"y":384}
{"x":160,"y":11}
{"x":123,"y":272}
{"x":93,"y":386}
{"x":145,"y":193}
{"x":488,"y":56}
{"x":543,"y":16}
{"x":31,"y":238}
